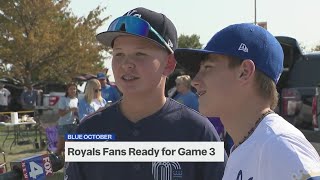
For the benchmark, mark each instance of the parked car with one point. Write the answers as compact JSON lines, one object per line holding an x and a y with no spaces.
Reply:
{"x":297,"y":84}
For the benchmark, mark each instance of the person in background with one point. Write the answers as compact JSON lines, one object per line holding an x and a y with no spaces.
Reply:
{"x":185,"y":95}
{"x":170,"y":89}
{"x":68,"y":110}
{"x":92,"y":100}
{"x":107,"y":77}
{"x":109,"y":93}
{"x":29,"y":98}
{"x":5,"y":97}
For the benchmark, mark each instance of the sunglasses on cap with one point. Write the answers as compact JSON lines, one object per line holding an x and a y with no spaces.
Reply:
{"x":137,"y":26}
{"x":97,"y":90}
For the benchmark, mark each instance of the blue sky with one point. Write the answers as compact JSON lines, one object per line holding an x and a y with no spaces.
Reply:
{"x":295,"y":18}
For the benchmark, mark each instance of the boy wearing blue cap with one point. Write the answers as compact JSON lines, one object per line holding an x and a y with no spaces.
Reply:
{"x":143,"y":42}
{"x":236,"y":76}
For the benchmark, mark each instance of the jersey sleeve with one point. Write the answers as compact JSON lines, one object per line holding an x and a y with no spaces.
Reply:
{"x":289,"y":158}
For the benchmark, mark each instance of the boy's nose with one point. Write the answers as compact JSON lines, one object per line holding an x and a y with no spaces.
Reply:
{"x":195,"y":81}
{"x":127,"y":64}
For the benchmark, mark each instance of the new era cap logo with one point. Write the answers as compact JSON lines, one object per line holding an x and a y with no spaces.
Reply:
{"x":243,"y":48}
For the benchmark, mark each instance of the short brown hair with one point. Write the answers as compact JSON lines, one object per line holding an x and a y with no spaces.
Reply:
{"x":265,"y":86}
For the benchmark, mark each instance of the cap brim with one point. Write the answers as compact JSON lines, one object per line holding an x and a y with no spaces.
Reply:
{"x":106,"y":38}
{"x":190,"y":59}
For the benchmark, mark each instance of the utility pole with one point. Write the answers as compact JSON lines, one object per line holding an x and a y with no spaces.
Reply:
{"x":255,"y":12}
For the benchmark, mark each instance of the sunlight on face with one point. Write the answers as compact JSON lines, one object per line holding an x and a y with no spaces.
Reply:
{"x":214,"y":83}
{"x":138,"y":64}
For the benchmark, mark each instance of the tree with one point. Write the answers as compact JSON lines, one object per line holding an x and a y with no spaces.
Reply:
{"x":184,"y":41}
{"x":42,"y":40}
{"x":193,"y":41}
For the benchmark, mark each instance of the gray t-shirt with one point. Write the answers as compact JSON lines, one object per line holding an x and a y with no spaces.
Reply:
{"x":64,"y":104}
{"x":4,"y":95}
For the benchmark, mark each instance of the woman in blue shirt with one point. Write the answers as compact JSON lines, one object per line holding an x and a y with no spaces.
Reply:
{"x":92,"y":100}
{"x":185,"y":95}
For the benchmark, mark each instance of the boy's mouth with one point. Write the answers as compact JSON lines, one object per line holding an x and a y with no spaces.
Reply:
{"x":129,"y":78}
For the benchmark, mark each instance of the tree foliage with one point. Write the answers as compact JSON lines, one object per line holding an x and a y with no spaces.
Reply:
{"x":193,"y":41}
{"x":184,"y":41}
{"x":42,"y":40}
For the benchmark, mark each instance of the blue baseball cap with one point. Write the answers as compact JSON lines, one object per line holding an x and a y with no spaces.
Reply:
{"x":101,"y":76}
{"x":244,"y":41}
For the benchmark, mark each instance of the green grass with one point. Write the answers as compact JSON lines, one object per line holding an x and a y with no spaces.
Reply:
{"x":24,"y":150}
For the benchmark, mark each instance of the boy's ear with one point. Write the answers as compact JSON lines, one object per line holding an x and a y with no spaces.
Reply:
{"x":246,"y":71}
{"x":170,"y":66}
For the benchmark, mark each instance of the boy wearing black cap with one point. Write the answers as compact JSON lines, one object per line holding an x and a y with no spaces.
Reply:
{"x":143,"y":42}
{"x":236,"y":76}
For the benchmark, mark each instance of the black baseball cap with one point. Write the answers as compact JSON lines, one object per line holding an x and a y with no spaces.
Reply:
{"x":158,"y":21}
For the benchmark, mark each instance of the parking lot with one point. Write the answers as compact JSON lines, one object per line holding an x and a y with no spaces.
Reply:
{"x":314,"y":138}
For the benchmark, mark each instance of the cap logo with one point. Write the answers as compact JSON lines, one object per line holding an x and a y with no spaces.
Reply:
{"x":243,"y":48}
{"x":133,"y":13}
{"x":170,"y":43}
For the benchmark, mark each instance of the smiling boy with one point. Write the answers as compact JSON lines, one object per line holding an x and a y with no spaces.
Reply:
{"x":236,"y":76}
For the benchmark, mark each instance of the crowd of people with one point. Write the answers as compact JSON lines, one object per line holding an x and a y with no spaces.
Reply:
{"x":98,"y":94}
{"x":28,"y":98}
{"x":235,"y":83}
